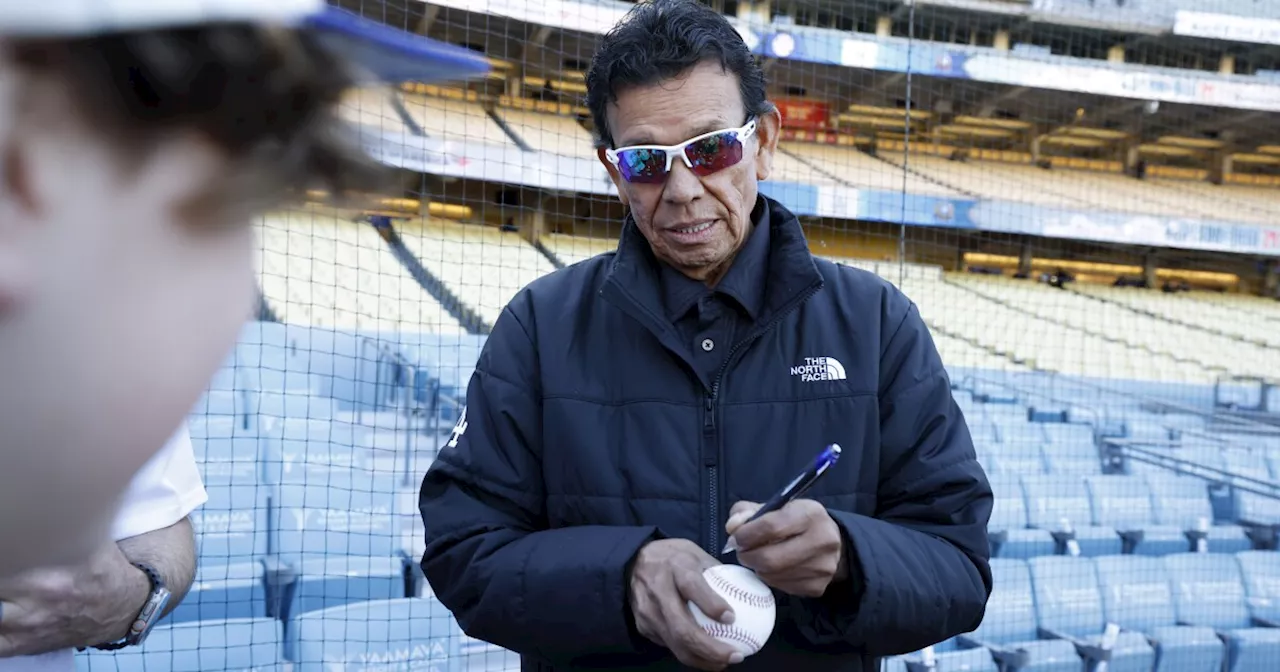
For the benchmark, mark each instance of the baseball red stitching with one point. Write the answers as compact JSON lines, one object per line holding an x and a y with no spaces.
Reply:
{"x":724,"y":632}
{"x":752,"y":599}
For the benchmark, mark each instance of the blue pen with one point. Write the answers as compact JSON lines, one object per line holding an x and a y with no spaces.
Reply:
{"x":795,"y":488}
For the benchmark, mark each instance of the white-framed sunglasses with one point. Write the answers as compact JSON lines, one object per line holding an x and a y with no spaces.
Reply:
{"x":706,"y":154}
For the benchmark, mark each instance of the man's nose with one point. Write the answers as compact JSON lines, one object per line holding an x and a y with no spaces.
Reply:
{"x":682,"y":184}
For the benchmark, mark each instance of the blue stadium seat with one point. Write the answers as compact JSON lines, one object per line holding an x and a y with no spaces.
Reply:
{"x":1250,"y":508}
{"x":344,"y":490}
{"x":1009,"y":629}
{"x":227,"y":646}
{"x":222,"y":592}
{"x":1015,"y":459}
{"x":1124,"y":503}
{"x":1010,"y":536}
{"x":982,"y":429}
{"x":232,"y":526}
{"x":300,"y":462}
{"x":1018,"y":430}
{"x":307,"y":428}
{"x":411,"y":633}
{"x":228,"y":461}
{"x":1003,"y":413}
{"x":1137,"y":595}
{"x":293,"y":404}
{"x":1273,"y":459}
{"x":1208,"y":591}
{"x":1183,"y":501}
{"x":1072,"y":458}
{"x":1146,"y":428}
{"x":1053,"y":500}
{"x":323,"y":582}
{"x":337,"y":542}
{"x":1069,"y":604}
{"x":1261,"y":573}
{"x":1070,"y":434}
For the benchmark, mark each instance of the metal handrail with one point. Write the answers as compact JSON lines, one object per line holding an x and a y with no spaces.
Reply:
{"x":1242,"y":424}
{"x":1145,"y":453}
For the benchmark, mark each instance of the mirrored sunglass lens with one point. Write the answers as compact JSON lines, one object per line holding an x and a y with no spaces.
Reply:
{"x":642,"y":165}
{"x":714,"y":153}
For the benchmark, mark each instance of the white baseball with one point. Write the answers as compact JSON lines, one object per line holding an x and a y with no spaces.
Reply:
{"x":752,"y":603}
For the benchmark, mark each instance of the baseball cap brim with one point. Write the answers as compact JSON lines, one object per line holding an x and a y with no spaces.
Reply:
{"x":379,"y":51}
{"x":393,"y":55}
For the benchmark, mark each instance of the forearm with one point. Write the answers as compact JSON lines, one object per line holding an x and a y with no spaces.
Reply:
{"x":542,"y":585}
{"x":904,"y":589}
{"x":171,"y":552}
{"x":521,"y":588}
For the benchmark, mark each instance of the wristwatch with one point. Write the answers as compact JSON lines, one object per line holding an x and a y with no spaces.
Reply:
{"x":147,"y":617}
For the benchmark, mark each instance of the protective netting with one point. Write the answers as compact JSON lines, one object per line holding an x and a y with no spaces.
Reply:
{"x":1079,"y":195}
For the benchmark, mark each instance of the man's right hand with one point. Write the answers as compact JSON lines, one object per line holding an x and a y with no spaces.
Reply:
{"x":666,"y":575}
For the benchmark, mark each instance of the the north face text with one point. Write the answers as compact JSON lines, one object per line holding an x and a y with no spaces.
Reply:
{"x":819,"y":368}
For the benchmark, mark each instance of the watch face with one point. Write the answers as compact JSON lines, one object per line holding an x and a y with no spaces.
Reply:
{"x":150,"y":613}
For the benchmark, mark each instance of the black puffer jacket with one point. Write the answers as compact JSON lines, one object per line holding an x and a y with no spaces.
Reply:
{"x":588,"y":434}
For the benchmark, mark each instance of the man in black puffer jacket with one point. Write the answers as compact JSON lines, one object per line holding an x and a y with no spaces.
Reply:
{"x":624,"y":408}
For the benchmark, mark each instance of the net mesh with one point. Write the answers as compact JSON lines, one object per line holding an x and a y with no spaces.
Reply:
{"x":1079,"y":195}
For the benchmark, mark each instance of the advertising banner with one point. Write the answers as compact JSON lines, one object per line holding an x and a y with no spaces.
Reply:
{"x":1045,"y":72}
{"x":1126,"y":228}
{"x":1226,"y":27}
{"x":803,"y":114}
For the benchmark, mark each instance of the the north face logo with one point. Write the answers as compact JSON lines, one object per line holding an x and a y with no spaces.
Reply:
{"x":819,"y":368}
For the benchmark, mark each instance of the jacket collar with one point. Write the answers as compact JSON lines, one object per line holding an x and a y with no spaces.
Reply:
{"x":745,"y":282}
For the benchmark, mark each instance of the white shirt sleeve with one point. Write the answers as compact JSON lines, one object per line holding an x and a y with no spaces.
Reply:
{"x":163,"y":492}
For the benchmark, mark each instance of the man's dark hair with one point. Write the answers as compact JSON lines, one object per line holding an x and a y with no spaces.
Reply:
{"x":660,"y":39}
{"x":266,"y":97}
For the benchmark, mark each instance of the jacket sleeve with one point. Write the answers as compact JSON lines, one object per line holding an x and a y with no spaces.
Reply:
{"x":919,"y":568}
{"x":490,"y":556}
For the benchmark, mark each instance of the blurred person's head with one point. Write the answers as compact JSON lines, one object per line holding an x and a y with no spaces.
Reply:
{"x":131,"y":163}
{"x":673,"y":71}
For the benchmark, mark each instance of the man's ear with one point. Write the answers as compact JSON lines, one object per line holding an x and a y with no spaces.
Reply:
{"x":618,"y":182}
{"x":768,"y":130}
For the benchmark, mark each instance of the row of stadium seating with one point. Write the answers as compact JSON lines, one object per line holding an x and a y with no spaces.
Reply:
{"x":313,"y":505}
{"x":395,"y":634}
{"x":915,"y":173}
{"x":312,"y":471}
{"x":1037,"y":514}
{"x":323,"y":271}
{"x":1180,"y":613}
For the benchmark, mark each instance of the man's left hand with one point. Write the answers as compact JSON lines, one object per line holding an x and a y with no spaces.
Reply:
{"x":796,"y":549}
{"x":57,"y":608}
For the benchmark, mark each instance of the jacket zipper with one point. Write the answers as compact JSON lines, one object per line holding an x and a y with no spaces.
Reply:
{"x":710,"y":461}
{"x":711,"y":455}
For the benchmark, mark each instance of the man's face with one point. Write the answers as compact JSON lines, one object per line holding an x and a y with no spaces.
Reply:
{"x":694,"y":223}
{"x":116,"y":304}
